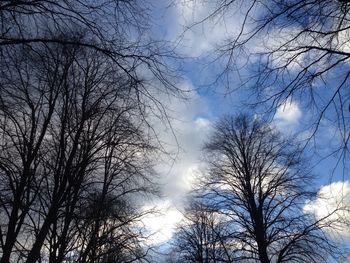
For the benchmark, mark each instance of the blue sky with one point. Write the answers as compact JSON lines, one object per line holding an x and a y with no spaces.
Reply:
{"x":192,"y":119}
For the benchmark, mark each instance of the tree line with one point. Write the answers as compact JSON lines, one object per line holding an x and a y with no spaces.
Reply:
{"x":77,"y":87}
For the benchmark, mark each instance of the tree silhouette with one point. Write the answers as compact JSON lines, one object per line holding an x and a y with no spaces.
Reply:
{"x":78,"y":82}
{"x":72,"y":128}
{"x":202,"y":237}
{"x":259,"y":180}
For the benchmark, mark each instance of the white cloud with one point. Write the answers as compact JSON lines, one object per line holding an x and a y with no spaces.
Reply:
{"x":343,"y":41}
{"x":161,"y":225}
{"x":288,"y":115}
{"x":198,"y":39}
{"x":202,"y":123}
{"x":190,"y":124}
{"x":333,"y":204}
{"x":191,"y":134}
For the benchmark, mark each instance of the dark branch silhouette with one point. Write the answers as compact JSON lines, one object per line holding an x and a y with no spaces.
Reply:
{"x":259,"y":181}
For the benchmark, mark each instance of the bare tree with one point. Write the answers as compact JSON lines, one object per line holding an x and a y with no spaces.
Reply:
{"x":73,"y":135}
{"x":202,"y":237}
{"x":78,"y":82}
{"x":28,"y":100}
{"x":103,"y":231}
{"x":260,"y":181}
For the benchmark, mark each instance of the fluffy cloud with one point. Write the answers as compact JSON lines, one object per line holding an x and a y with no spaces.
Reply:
{"x":190,"y":126}
{"x":343,"y":41}
{"x":189,"y":129}
{"x":198,"y":39}
{"x":288,"y":115}
{"x":333,"y":204}
{"x":161,"y":225}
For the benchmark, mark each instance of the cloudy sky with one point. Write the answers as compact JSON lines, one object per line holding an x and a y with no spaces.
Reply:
{"x":192,"y":119}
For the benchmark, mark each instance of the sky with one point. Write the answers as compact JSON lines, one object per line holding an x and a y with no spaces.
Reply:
{"x":192,"y":119}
